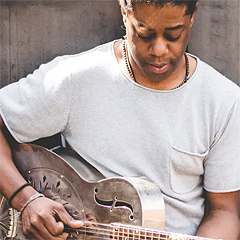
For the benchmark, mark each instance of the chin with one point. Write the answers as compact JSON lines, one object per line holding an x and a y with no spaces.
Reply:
{"x":157,"y":77}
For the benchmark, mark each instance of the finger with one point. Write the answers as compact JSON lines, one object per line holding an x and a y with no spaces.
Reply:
{"x":64,"y":236}
{"x":91,"y":217}
{"x":30,"y":231}
{"x":72,"y":210}
{"x":89,"y":214}
{"x":53,"y":224}
{"x":67,"y":219}
{"x":44,"y":234}
{"x":33,"y":235}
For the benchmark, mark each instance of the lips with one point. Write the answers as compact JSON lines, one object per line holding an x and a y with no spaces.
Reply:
{"x":158,"y":67}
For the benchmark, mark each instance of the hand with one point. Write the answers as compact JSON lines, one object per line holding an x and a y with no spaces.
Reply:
{"x":44,"y":219}
{"x":89,"y":228}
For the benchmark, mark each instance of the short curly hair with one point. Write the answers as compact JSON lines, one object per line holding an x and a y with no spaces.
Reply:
{"x":191,"y":4}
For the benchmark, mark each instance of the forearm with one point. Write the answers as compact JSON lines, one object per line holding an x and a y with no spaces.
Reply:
{"x":11,"y":179}
{"x":220,"y":225}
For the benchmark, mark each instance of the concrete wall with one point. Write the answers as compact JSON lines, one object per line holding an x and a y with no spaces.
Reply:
{"x":216,"y":36}
{"x":33,"y":32}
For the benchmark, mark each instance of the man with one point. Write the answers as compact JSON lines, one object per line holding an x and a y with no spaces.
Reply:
{"x":135,"y":107}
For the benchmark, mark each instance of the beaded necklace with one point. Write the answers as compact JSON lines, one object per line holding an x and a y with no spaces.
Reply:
{"x":131,"y":73}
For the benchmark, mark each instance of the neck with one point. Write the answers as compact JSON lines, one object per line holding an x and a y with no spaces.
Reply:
{"x":176,"y":80}
{"x":126,"y":232}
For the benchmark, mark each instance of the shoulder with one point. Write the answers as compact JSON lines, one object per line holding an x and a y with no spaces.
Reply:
{"x":214,"y":85}
{"x":97,"y":54}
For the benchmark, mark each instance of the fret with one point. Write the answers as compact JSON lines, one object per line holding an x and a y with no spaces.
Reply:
{"x":138,"y":234}
{"x":133,"y":235}
{"x":130,"y":232}
{"x":146,"y":235}
{"x":126,"y":233}
{"x":163,"y":236}
{"x":156,"y":235}
{"x":121,"y":232}
{"x":115,"y":234}
{"x":151,"y":235}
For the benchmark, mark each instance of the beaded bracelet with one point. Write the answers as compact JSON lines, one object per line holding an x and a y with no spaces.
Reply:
{"x":32,"y":198}
{"x":16,"y":192}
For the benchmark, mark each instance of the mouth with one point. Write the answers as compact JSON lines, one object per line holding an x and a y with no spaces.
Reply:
{"x":158,"y":68}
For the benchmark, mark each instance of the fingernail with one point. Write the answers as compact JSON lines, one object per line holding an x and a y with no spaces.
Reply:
{"x":78,"y":221}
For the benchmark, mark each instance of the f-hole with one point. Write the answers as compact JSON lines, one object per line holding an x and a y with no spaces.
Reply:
{"x":114,"y":203}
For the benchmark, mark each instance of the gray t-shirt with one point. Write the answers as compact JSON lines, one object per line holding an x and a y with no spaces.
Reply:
{"x":181,"y":139}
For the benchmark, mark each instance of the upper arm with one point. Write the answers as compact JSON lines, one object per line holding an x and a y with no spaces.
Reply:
{"x":221,"y":219}
{"x":224,"y":207}
{"x":1,"y":122}
{"x":5,"y":134}
{"x":223,"y":201}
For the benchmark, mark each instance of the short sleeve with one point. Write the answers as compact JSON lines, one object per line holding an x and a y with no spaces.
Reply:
{"x":222,"y":166}
{"x":37,"y":106}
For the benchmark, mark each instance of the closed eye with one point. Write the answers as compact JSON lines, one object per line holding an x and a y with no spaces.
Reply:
{"x":172,"y":39}
{"x":145,"y":37}
{"x":151,"y":36}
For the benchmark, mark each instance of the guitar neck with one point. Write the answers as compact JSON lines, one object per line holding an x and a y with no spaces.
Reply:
{"x":119,"y":231}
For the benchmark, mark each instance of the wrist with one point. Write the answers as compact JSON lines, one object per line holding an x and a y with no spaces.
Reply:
{"x":16,"y":192}
{"x":22,"y":197}
{"x":31,"y":199}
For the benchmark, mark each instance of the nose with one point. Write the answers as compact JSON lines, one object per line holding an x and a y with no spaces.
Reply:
{"x":159,"y":47}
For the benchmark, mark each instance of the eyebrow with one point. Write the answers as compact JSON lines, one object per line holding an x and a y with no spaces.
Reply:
{"x":167,"y":29}
{"x":174,"y":28}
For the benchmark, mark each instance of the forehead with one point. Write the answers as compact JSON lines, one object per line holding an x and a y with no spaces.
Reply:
{"x":153,"y":16}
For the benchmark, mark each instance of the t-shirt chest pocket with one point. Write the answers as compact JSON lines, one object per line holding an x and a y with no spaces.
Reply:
{"x":186,"y":170}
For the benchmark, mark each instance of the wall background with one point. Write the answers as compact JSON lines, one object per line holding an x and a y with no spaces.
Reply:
{"x":216,"y":36}
{"x":33,"y":32}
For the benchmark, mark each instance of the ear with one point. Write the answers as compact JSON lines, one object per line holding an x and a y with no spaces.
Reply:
{"x":124,"y":14}
{"x":193,"y":15}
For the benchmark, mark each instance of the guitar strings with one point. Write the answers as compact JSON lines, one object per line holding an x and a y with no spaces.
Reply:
{"x":126,"y":233}
{"x":108,"y":233}
{"x":134,"y":232}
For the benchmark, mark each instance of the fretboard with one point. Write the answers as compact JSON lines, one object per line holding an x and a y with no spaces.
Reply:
{"x":125,"y":232}
{"x":118,"y":231}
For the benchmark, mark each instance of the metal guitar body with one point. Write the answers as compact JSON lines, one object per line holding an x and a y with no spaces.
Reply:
{"x":134,"y":201}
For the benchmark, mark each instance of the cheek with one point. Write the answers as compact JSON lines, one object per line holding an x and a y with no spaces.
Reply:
{"x":177,"y":49}
{"x":135,"y":45}
{"x":186,"y":39}
{"x":137,"y":49}
{"x":139,"y":54}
